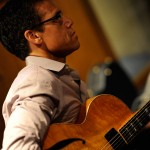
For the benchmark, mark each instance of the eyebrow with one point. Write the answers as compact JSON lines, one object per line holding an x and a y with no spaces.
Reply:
{"x":55,"y":15}
{"x":47,"y":20}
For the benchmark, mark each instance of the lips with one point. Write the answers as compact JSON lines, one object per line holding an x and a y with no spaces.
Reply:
{"x":74,"y":34}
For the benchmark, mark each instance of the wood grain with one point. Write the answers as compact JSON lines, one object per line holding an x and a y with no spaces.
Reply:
{"x":101,"y":114}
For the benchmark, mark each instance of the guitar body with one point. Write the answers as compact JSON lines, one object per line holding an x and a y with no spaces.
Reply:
{"x":97,"y":117}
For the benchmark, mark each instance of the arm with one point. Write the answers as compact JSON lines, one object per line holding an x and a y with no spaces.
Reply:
{"x":27,"y":124}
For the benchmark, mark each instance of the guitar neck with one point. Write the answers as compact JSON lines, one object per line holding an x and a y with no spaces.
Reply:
{"x":130,"y":130}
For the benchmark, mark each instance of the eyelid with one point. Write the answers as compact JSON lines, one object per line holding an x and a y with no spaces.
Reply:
{"x":58,"y":15}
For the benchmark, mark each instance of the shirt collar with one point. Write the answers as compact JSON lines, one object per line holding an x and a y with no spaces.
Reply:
{"x":45,"y":63}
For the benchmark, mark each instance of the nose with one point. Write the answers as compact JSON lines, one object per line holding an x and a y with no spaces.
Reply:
{"x":68,"y":22}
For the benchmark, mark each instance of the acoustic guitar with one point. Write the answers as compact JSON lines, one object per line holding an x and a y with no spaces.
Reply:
{"x":105,"y":123}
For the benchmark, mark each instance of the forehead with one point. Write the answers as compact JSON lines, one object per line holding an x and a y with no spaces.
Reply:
{"x":47,"y":8}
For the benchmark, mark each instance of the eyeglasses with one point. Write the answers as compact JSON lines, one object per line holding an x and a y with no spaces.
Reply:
{"x":56,"y":18}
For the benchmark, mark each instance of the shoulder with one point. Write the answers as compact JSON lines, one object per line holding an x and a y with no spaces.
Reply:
{"x":34,"y":73}
{"x":34,"y":80}
{"x":35,"y":76}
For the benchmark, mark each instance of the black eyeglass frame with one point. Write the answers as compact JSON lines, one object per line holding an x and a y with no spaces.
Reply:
{"x":57,"y":16}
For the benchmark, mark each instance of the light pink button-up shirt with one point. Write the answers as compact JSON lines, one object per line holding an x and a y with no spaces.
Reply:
{"x":44,"y":92}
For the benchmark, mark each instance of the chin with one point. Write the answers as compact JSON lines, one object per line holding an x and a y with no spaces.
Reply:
{"x":77,"y":46}
{"x":66,"y":53}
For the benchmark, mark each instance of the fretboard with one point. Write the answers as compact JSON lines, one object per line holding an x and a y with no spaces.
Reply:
{"x":131,"y":129}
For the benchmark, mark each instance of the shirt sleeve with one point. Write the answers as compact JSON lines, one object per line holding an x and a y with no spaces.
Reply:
{"x":27,"y":124}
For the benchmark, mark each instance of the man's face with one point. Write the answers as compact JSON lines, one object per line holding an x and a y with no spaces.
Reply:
{"x":59,"y":38}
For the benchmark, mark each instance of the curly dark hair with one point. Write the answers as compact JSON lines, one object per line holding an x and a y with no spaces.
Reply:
{"x":16,"y":17}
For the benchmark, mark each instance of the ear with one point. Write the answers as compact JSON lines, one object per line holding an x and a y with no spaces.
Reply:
{"x":33,"y":36}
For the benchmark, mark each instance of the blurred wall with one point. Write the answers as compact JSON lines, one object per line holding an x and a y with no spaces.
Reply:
{"x":94,"y":47}
{"x":126,"y":25}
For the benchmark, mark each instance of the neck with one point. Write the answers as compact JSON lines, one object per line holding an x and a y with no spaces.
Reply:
{"x":49,"y":56}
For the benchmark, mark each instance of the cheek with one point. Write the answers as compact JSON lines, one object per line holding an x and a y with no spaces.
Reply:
{"x":62,"y":35}
{"x":57,"y":38}
{"x":55,"y":42}
{"x":60,"y":39}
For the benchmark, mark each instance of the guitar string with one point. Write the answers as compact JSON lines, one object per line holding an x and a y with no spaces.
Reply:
{"x":114,"y":143}
{"x":141,"y":118}
{"x":138,"y":122}
{"x":131,"y":137}
{"x":137,"y":125}
{"x":132,"y":128}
